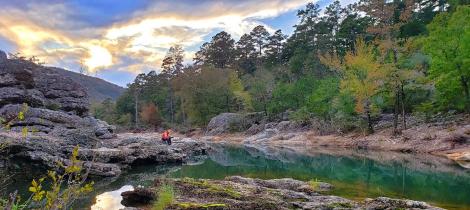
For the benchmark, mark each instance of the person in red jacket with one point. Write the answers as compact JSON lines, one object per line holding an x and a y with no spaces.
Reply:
{"x":166,"y":138}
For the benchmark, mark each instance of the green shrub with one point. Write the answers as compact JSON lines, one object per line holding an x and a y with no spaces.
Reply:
{"x":301,"y":116}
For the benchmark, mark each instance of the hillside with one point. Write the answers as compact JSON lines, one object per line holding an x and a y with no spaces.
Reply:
{"x":97,"y":89}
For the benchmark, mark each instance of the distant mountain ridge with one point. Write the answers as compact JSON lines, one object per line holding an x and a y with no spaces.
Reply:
{"x":97,"y":89}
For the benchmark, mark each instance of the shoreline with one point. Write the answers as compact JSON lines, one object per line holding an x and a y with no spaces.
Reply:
{"x":450,"y":140}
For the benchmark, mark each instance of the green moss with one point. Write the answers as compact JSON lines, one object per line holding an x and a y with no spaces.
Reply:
{"x":314,"y":184}
{"x":213,"y":188}
{"x":198,"y":205}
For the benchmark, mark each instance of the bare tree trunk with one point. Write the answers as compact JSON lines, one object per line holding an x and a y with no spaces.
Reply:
{"x":182,"y":112}
{"x":403,"y":111}
{"x":370,"y":128}
{"x":465,"y":85}
{"x":136,"y":109}
{"x":396,"y":111}
{"x":227,"y":103}
{"x":171,"y":105}
{"x":397,"y":97}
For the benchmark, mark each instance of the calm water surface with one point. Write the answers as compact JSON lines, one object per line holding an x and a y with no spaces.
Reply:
{"x":355,"y":174}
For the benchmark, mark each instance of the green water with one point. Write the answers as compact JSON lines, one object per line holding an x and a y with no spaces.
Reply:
{"x":353,"y":177}
{"x":356,"y":175}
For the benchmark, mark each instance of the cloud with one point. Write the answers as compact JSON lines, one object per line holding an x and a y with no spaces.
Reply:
{"x":133,"y":38}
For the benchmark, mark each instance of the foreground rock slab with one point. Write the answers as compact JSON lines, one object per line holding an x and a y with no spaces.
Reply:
{"x":246,"y":193}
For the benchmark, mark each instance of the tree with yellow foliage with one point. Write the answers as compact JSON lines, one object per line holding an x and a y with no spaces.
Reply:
{"x":361,"y":74}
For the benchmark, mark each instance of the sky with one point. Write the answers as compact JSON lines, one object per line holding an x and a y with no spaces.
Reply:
{"x":116,"y":40}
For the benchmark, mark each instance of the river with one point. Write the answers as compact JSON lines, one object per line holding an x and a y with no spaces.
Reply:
{"x":355,"y":174}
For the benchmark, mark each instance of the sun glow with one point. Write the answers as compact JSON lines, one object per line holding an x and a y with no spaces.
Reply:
{"x":99,"y":57}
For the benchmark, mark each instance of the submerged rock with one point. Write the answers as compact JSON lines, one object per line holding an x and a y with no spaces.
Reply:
{"x":247,"y":193}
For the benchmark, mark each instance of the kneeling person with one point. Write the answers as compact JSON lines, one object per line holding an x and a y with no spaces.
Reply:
{"x":166,"y":138}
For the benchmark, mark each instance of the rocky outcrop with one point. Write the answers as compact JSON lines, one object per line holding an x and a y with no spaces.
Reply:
{"x":48,"y":102}
{"x":3,"y":56}
{"x":108,"y":157}
{"x":233,"y":122}
{"x":246,"y":193}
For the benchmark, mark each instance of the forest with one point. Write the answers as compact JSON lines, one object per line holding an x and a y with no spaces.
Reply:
{"x":343,"y":66}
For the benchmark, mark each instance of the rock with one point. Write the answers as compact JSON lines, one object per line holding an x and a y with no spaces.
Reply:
{"x":3,"y":56}
{"x":57,"y":123}
{"x":56,"y":105}
{"x":255,"y":129}
{"x":288,"y":126}
{"x":389,"y":203}
{"x":233,"y":122}
{"x":104,"y":157}
{"x":262,"y":137}
{"x":247,"y":193}
{"x":286,"y":183}
{"x":137,"y":197}
{"x":224,"y":123}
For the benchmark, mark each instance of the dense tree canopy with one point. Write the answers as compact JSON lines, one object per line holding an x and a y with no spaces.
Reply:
{"x":343,"y":65}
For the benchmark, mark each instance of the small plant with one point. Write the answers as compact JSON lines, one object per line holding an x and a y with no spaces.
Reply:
{"x":64,"y":188}
{"x":165,"y":197}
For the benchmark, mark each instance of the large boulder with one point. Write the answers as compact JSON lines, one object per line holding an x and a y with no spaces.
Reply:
{"x":233,"y":122}
{"x":225,"y":122}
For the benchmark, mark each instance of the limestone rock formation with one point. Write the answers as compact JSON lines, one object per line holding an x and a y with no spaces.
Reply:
{"x":103,"y":157}
{"x":49,"y":102}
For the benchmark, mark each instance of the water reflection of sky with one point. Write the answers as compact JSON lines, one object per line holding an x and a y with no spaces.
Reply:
{"x":111,"y":200}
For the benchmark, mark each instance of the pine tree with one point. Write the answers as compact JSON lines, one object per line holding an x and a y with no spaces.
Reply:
{"x":274,"y":46}
{"x":260,"y":36}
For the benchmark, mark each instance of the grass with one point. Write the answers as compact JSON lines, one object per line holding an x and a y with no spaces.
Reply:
{"x":166,"y":196}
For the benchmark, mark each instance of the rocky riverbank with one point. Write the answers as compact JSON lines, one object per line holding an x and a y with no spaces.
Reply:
{"x":246,"y":193}
{"x":44,"y":115}
{"x":448,"y":137}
